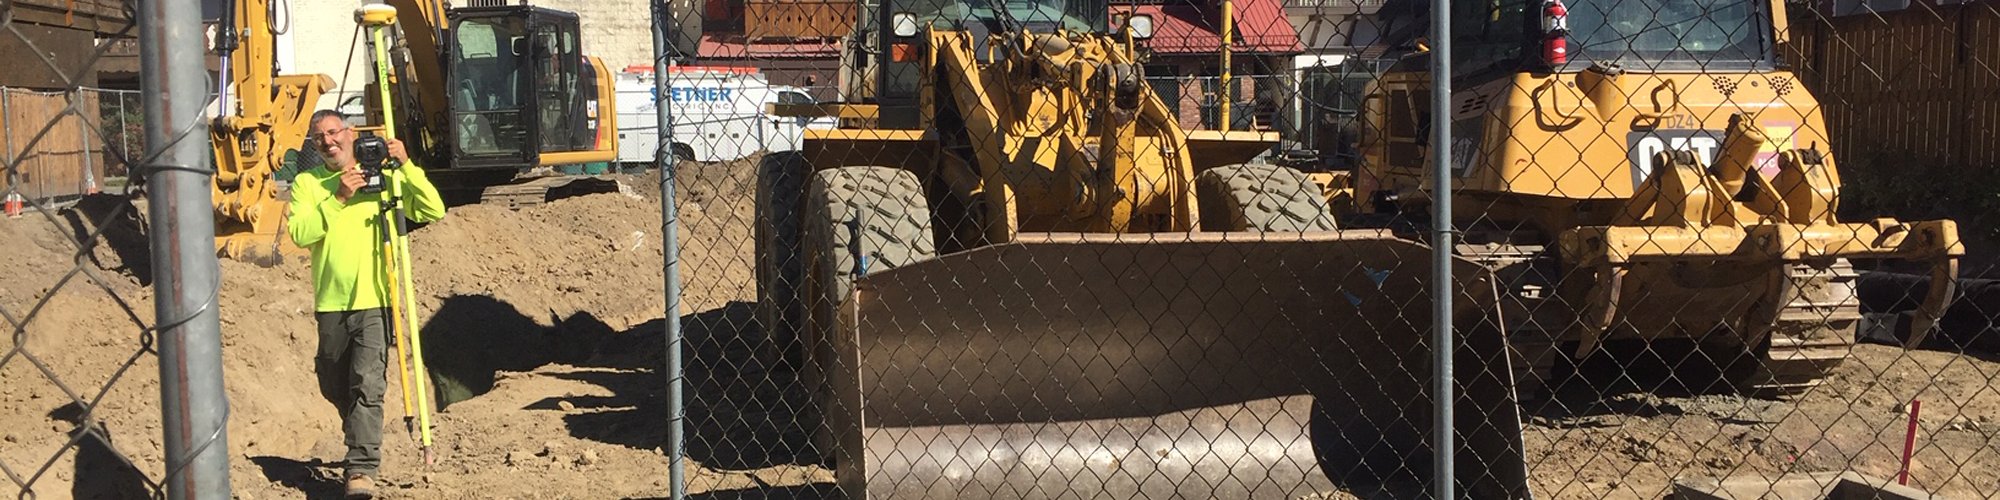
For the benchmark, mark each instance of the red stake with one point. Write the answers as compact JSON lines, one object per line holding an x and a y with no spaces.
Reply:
{"x":1909,"y":443}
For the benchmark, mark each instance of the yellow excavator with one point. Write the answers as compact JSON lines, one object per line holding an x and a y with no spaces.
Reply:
{"x":492,"y":91}
{"x":1012,"y":272}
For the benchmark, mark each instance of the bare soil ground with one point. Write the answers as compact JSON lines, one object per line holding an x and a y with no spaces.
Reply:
{"x":544,"y":326}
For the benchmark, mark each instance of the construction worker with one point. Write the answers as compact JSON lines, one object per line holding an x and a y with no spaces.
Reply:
{"x":341,"y":226}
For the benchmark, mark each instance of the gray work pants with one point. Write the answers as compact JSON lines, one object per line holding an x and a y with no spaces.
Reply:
{"x":351,"y":364}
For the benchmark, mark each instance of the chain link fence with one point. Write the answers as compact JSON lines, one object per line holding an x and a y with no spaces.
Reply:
{"x":1697,"y":249}
{"x":106,"y":397}
{"x":1694,"y":249}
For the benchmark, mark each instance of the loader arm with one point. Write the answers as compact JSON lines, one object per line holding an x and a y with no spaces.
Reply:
{"x":1025,"y":118}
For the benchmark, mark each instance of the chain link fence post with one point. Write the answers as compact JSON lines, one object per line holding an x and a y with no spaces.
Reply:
{"x":1441,"y":254}
{"x":186,"y":271}
{"x":670,"y":237}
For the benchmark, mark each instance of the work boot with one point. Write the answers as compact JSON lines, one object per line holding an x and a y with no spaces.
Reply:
{"x":360,"y":487}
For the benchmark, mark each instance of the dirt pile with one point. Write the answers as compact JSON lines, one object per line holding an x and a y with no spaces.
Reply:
{"x":573,"y":288}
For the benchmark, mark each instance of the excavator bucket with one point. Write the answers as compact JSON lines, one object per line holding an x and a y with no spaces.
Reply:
{"x":1205,"y":365}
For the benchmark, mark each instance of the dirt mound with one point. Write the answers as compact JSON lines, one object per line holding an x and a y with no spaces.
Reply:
{"x":575,"y":285}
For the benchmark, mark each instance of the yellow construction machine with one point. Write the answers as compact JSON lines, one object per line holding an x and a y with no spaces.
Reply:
{"x":251,"y":144}
{"x":1011,"y":272}
{"x":489,"y":92}
{"x":1648,"y":181}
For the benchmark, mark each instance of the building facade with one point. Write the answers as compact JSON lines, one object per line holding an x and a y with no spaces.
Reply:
{"x":794,"y":42}
{"x":1183,"y":59}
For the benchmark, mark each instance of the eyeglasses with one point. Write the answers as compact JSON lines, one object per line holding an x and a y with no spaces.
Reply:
{"x":321,"y":137}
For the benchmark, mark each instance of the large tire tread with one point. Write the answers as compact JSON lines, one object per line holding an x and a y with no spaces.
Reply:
{"x":1263,"y":198}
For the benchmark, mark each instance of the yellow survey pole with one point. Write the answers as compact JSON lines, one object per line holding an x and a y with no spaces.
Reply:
{"x":378,"y":19}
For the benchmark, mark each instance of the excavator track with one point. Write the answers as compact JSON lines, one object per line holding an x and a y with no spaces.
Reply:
{"x":1525,"y":275}
{"x":535,"y":191}
{"x":1814,"y":334}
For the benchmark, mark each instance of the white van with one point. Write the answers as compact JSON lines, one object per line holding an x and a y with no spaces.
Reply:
{"x":719,"y":114}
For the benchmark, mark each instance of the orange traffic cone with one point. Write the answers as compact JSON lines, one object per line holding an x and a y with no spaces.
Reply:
{"x":14,"y":202}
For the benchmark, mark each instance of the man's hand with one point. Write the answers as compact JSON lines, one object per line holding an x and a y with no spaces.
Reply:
{"x":396,"y":151}
{"x":351,"y":181}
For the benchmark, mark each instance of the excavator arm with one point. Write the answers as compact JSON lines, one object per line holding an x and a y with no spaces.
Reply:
{"x":270,"y":119}
{"x":424,"y":27}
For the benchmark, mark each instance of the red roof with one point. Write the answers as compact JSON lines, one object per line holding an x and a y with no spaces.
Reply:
{"x":1261,"y":27}
{"x":712,"y":47}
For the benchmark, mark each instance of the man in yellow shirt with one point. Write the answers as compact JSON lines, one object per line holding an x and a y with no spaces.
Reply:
{"x":342,"y":227}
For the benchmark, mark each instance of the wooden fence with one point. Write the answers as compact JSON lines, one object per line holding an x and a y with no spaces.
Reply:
{"x":57,"y":155}
{"x":1921,"y":83}
{"x":799,"y":19}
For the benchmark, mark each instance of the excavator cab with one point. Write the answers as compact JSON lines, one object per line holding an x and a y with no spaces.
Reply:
{"x":520,"y":88}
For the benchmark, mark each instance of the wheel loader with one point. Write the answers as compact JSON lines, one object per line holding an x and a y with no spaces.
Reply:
{"x":1649,"y":182}
{"x":1011,"y":273}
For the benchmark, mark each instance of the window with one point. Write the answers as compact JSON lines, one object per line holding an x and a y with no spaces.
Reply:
{"x":1492,"y":34}
{"x":486,"y":96}
{"x":1853,"y":7}
{"x":792,"y":97}
{"x":1698,"y":31}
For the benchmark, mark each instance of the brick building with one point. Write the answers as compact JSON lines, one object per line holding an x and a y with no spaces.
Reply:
{"x":1184,"y":63}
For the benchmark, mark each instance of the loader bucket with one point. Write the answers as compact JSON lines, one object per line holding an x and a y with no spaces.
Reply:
{"x":1211,"y":365}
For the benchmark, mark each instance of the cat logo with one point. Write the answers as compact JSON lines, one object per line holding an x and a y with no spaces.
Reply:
{"x":1643,"y":146}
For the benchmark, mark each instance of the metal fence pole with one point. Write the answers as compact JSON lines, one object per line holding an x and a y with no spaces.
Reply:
{"x":124,"y":143}
{"x":1441,"y":298}
{"x":7,"y":129}
{"x":83,"y":135}
{"x":185,"y":269}
{"x":669,"y":240}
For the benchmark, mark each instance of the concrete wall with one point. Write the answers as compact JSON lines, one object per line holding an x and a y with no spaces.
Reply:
{"x":619,"y":31}
{"x":321,"y":33}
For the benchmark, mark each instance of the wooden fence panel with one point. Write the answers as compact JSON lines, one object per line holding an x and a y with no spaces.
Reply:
{"x":1920,"y":84}
{"x":51,"y":162}
{"x":795,"y":19}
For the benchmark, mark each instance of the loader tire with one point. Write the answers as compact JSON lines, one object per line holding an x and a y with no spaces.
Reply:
{"x":781,"y":181}
{"x":861,"y":220}
{"x":1262,"y":198}
{"x":875,"y":212}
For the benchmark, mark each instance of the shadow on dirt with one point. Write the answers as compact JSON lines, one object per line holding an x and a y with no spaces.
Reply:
{"x":318,"y":480}
{"x":1970,"y":324}
{"x":471,"y":338}
{"x":740,"y":415}
{"x":123,"y":231}
{"x":808,"y":492}
{"x":101,"y":471}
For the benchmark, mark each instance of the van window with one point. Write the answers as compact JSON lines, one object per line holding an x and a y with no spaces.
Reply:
{"x":789,"y":97}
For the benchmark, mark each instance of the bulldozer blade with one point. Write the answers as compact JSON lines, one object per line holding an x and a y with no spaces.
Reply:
{"x":1205,"y":365}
